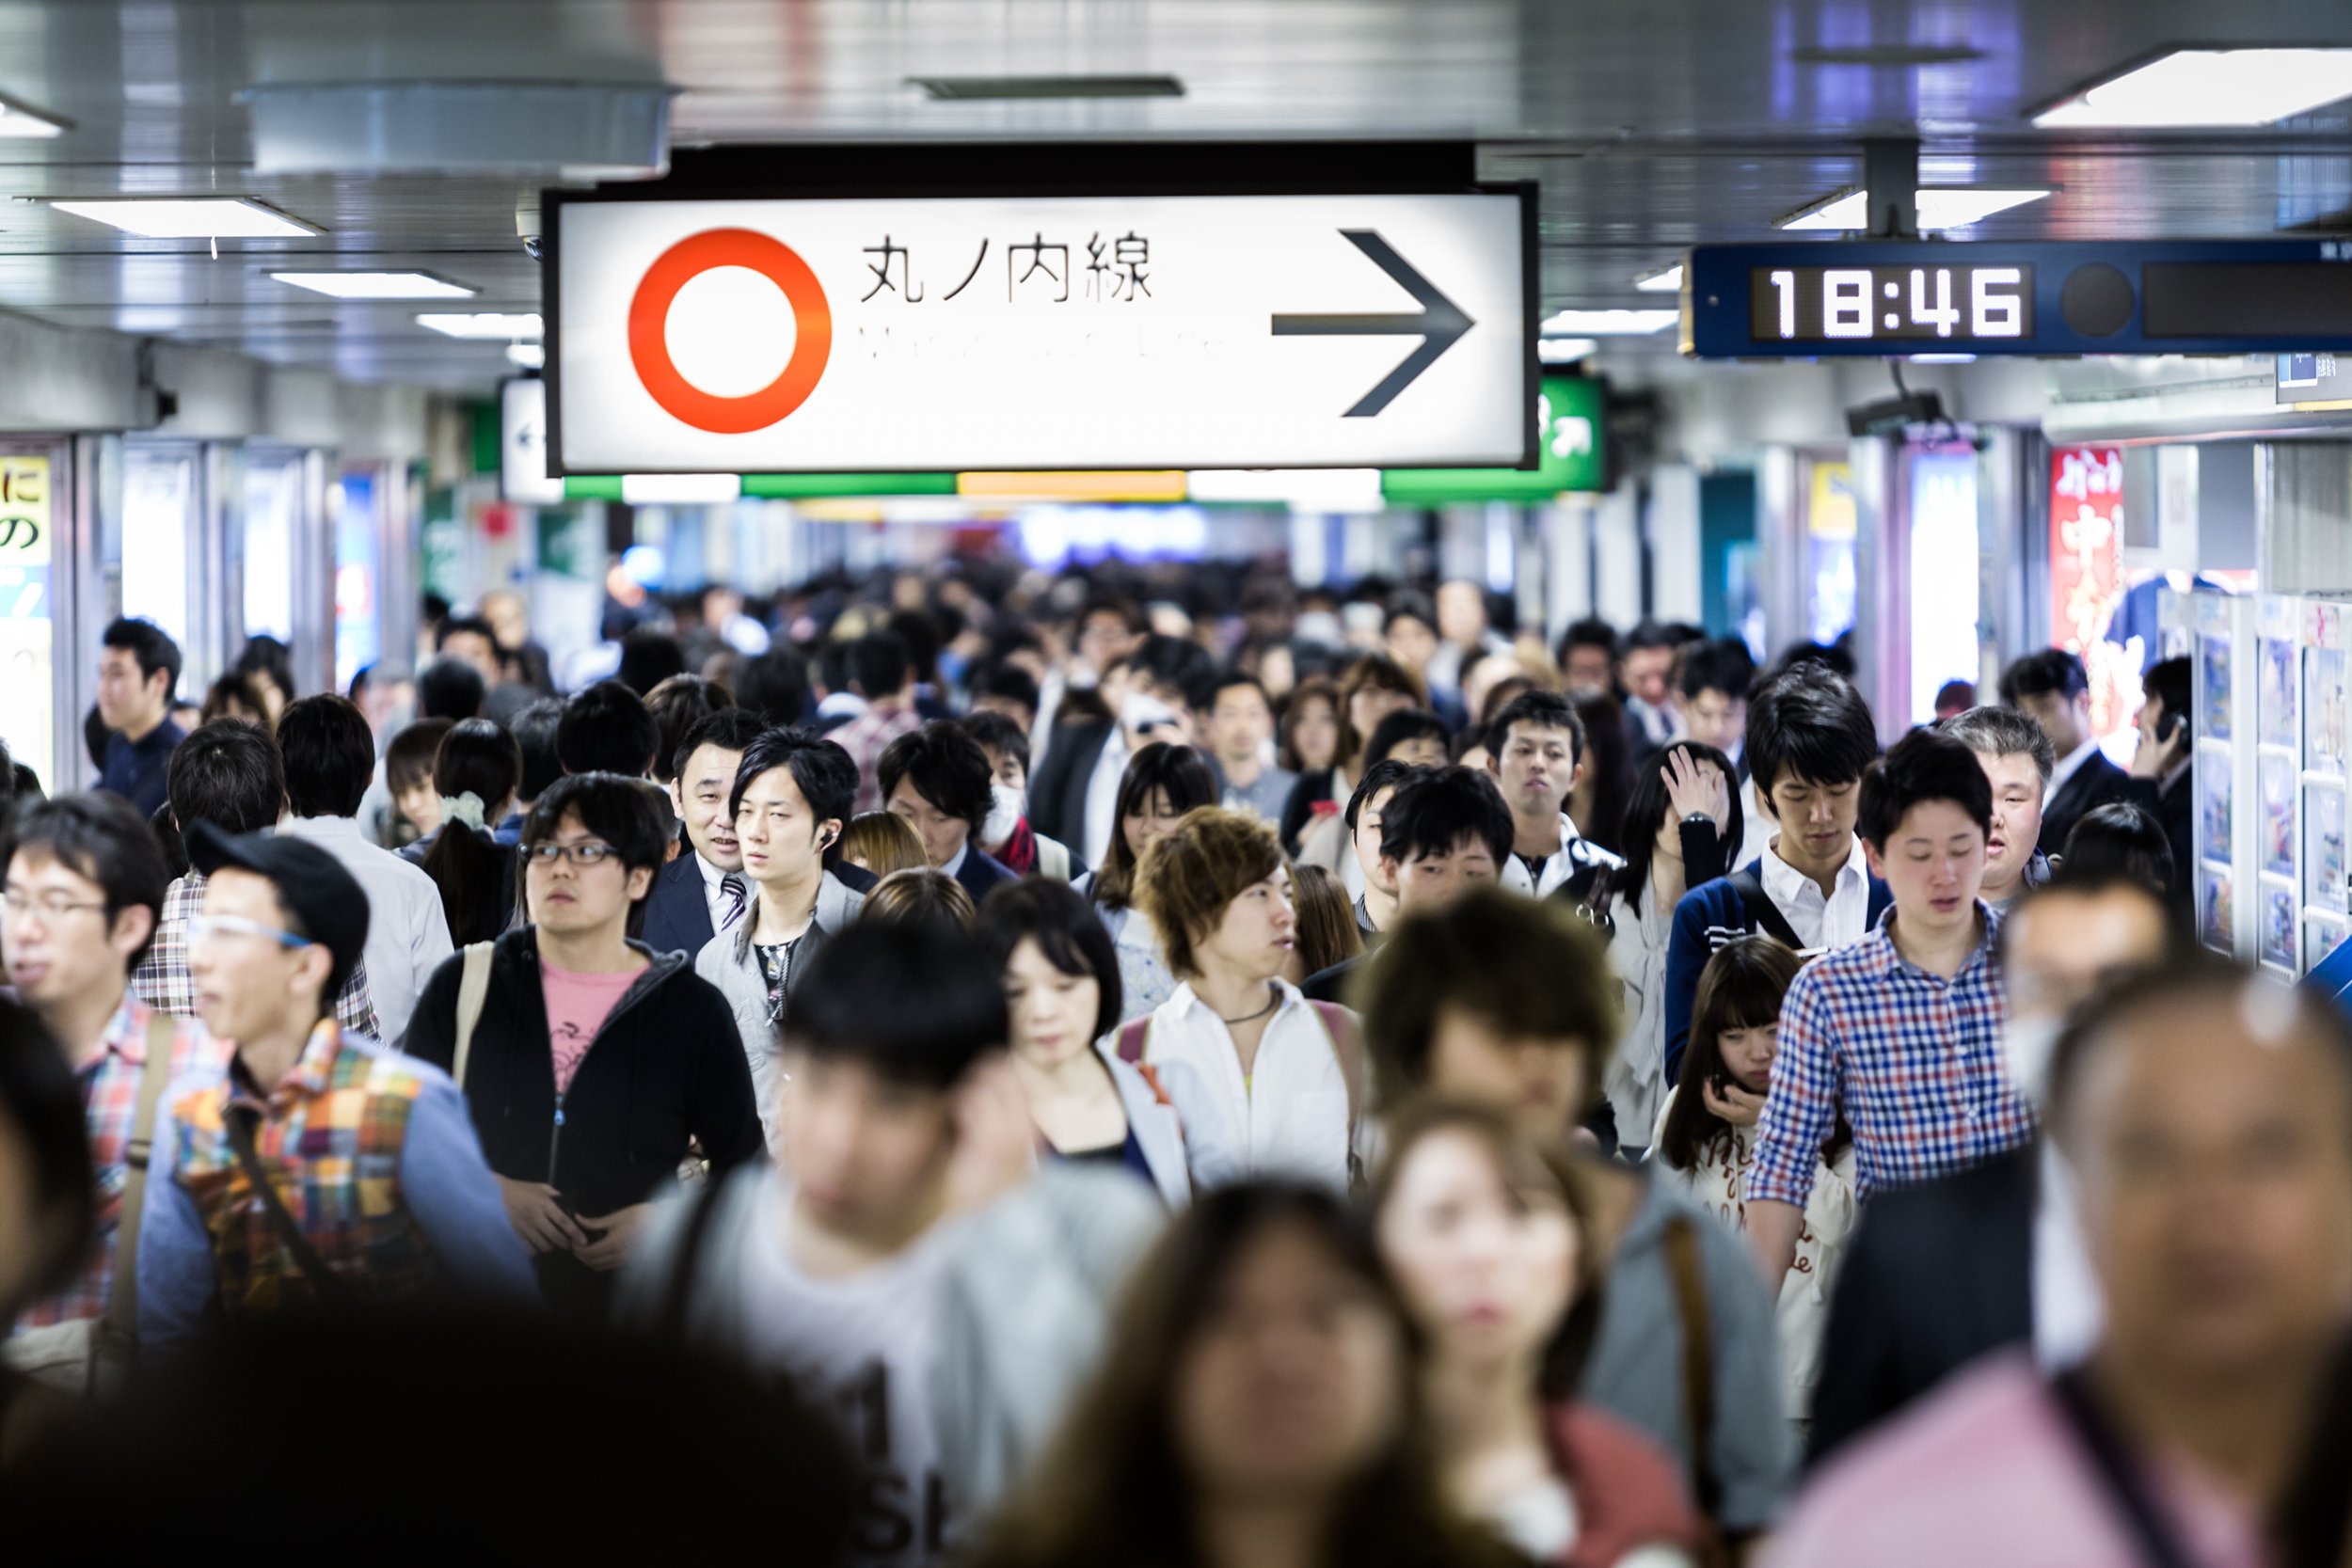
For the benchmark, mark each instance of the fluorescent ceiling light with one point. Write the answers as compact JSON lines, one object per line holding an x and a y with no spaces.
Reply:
{"x":1940,"y":207}
{"x":1302,"y":489}
{"x":1665,"y":280}
{"x":968,"y":89}
{"x":2208,"y":87}
{"x":1943,"y":358}
{"x":16,"y":119}
{"x":1608,"y":323}
{"x":531,"y":356}
{"x":1566,"y":351}
{"x":484,"y":323}
{"x":231,"y":217}
{"x":377,"y":285}
{"x":682,"y":489}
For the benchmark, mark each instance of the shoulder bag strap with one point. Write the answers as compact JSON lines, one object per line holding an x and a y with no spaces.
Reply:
{"x":240,"y":1122}
{"x":2151,"y":1532}
{"x":1132,"y":1040}
{"x":122,"y":1293}
{"x":689,"y":1251}
{"x":1762,"y":909}
{"x":1698,"y":1359}
{"x":473,"y":989}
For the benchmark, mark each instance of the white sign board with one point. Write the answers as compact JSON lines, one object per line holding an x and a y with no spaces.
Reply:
{"x":1040,"y":333}
{"x":523,"y":444}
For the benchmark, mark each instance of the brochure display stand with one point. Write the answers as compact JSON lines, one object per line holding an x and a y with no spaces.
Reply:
{"x":2228,"y":802}
{"x":2278,"y":780}
{"x":2327,"y":764}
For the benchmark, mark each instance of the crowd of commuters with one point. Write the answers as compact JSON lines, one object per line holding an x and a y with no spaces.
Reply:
{"x":1331,"y":1083}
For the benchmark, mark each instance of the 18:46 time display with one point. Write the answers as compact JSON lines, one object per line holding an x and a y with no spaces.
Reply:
{"x":1812,"y":304}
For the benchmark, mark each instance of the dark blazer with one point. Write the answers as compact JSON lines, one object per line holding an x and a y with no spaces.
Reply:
{"x":980,"y":872}
{"x":2094,"y":784}
{"x":1937,"y":1276}
{"x":2174,"y":810}
{"x":1057,"y":796}
{"x":678,"y":918}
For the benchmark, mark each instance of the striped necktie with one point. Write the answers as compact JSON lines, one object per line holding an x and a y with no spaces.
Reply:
{"x":732,"y":892}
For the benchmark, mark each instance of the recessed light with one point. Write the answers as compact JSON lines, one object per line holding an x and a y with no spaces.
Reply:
{"x":531,"y":356}
{"x":1665,"y":280}
{"x":376,"y":285}
{"x":2207,"y":86}
{"x":1608,"y":323}
{"x":227,"y":217}
{"x":1939,"y":207}
{"x":1886,"y":56}
{"x":19,"y":119}
{"x":682,"y":489}
{"x":969,"y":89}
{"x":1566,"y":351}
{"x":484,"y":323}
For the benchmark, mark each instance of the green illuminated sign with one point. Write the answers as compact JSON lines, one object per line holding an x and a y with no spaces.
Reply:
{"x":1575,"y":457}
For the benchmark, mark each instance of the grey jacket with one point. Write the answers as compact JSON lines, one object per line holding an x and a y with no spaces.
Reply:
{"x":728,"y":963}
{"x":1025,"y":1298}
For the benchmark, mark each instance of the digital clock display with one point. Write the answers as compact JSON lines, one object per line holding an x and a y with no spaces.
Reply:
{"x":1906,"y":304}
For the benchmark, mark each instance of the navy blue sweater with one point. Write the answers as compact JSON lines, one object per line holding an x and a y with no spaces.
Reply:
{"x":1707,"y":917}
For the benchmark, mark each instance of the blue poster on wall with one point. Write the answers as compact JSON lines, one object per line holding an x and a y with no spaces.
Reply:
{"x":358,"y":626}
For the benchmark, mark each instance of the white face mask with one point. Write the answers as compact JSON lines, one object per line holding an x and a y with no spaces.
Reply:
{"x":2026,"y":1044}
{"x":1008,"y":805}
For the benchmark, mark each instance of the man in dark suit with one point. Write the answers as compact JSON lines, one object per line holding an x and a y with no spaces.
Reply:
{"x":2052,"y":689}
{"x":1087,"y":759}
{"x":1057,"y":795}
{"x":2164,"y":776}
{"x":1941,"y":1273}
{"x":702,"y":891}
{"x":938,"y":779}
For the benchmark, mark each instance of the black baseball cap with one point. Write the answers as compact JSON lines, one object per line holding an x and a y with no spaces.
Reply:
{"x":326,"y":902}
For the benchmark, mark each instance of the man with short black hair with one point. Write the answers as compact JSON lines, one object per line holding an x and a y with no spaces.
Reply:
{"x":913,"y":1233}
{"x":329,"y":756}
{"x":702,"y":891}
{"x":2051,"y":688}
{"x":606,"y":729}
{"x":1810,"y":736}
{"x":593,"y":1062}
{"x":2017,"y":762}
{"x":2163,"y":773}
{"x":227,"y":773}
{"x":470,"y":640}
{"x":1375,"y":907}
{"x":534,"y":729}
{"x":1648,"y":671}
{"x":85,"y":889}
{"x":1007,"y":835}
{"x":313,"y":1170}
{"x":1444,"y":832}
{"x":1711,"y":697}
{"x":1588,"y":656}
{"x":138,"y":668}
{"x":450,"y":689}
{"x":1241,"y":737}
{"x":787,"y":804}
{"x":1535,"y":754}
{"x":937,"y":778}
{"x":1898,"y":1035}
{"x":881,"y":671}
{"x":1008,"y":689}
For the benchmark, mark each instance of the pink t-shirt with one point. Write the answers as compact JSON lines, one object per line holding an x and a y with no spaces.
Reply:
{"x":1989,"y":1471}
{"x":577,"y":1004}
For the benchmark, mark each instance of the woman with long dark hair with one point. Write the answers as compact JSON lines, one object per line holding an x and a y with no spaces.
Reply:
{"x":1489,"y":1240}
{"x":1374,"y":687}
{"x":1706,"y":1136}
{"x":476,"y":772}
{"x":1162,"y":783}
{"x":1680,"y":825}
{"x":1257,"y":1406}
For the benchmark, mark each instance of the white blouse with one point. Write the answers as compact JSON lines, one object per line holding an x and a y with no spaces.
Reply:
{"x":1290,"y":1116}
{"x":1635,"y":1082}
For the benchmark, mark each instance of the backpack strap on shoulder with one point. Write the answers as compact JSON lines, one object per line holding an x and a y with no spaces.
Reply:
{"x":474,"y":989}
{"x":1761,"y":909}
{"x":1134,"y":1036}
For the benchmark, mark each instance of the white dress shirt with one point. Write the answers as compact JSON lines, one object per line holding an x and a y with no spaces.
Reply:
{"x":1820,"y":924}
{"x":714,"y":895}
{"x":2068,"y":766}
{"x":2068,"y":1308}
{"x":408,"y":933}
{"x":1101,"y":819}
{"x":1558,"y":867}
{"x":1289,"y":1117}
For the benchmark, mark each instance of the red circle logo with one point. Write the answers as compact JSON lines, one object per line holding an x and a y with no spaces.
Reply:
{"x":648,"y":330}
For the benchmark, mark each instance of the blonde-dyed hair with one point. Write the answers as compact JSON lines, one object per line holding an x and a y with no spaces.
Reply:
{"x":1209,"y":858}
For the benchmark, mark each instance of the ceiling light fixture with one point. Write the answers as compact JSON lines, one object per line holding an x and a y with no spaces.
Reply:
{"x":20,"y":120}
{"x":1939,"y":206}
{"x":1665,"y":280}
{"x":484,"y":324}
{"x":531,"y":356}
{"x":2185,"y":88}
{"x":1608,"y":323}
{"x":228,"y":217}
{"x":682,"y":489}
{"x":377,"y":285}
{"x":1566,"y":351}
{"x":972,"y":90}
{"x":1888,"y":57}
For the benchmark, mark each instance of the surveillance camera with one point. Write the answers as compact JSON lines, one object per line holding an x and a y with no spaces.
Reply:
{"x":526,"y":225}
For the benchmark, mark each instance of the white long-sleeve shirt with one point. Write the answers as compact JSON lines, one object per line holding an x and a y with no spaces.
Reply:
{"x":1289,"y":1116}
{"x":408,"y":933}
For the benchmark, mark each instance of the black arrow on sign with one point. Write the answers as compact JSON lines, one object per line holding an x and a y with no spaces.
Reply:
{"x":1438,"y":326}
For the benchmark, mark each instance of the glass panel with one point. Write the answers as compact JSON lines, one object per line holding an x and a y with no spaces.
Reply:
{"x":273,"y":511}
{"x":158,"y":489}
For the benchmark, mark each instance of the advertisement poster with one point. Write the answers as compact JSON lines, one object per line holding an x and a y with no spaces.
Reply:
{"x":2322,"y":935}
{"x":2086,"y":578}
{"x":2213,"y":656}
{"x":2322,"y":852}
{"x":2213,"y":803}
{"x":2278,"y":925}
{"x":2213,"y":908}
{"x":2278,"y":780}
{"x":26,"y":634}
{"x":2323,"y":711}
{"x":2281,"y":722}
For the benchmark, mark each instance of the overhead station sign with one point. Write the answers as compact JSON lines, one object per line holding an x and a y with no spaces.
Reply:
{"x":1915,"y":296}
{"x":1040,"y":333}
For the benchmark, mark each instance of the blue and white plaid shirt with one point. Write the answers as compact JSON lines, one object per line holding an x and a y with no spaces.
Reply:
{"x":1912,"y":1060}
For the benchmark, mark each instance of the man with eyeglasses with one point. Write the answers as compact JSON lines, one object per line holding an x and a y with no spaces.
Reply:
{"x":592,"y":1065}
{"x":85,"y":891}
{"x":316,"y":1169}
